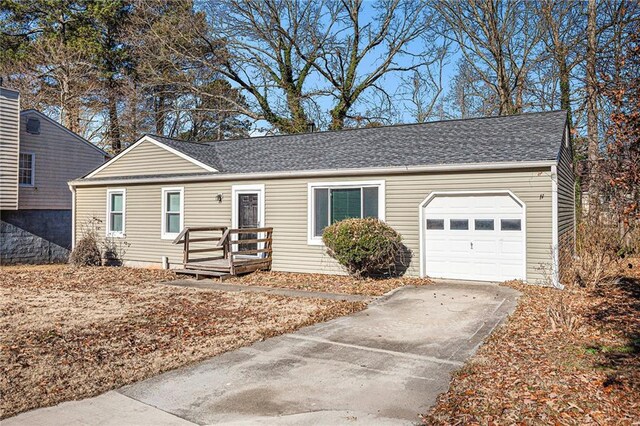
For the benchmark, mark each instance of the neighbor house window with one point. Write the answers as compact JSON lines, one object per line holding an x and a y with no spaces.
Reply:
{"x":27,"y":169}
{"x":172,"y":212}
{"x":333,"y":202}
{"x":115,"y":212}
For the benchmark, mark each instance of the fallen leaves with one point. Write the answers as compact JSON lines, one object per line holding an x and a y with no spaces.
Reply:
{"x":70,"y":333}
{"x":328,"y":283}
{"x":527,"y":372}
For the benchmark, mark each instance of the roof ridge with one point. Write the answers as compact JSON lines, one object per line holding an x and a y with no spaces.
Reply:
{"x":449,"y":120}
{"x":210,"y":143}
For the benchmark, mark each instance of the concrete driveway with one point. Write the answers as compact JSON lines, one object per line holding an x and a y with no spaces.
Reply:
{"x":384,"y":365}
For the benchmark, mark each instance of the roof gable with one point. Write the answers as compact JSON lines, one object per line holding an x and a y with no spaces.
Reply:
{"x":75,"y":137}
{"x":150,"y":156}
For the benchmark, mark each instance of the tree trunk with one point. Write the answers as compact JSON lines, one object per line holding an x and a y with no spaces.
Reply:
{"x":592,"y":89}
{"x":158,"y":109}
{"x":565,"y":86}
{"x":338,"y":115}
{"x":114,"y":125}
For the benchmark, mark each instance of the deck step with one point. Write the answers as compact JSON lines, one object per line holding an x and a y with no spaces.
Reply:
{"x":201,"y":274}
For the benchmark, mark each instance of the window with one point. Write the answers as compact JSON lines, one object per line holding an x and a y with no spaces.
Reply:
{"x":333,"y":202}
{"x":459,"y":224}
{"x":115,"y":212}
{"x":435,"y":224}
{"x":27,"y":169}
{"x":172,"y":212}
{"x":510,"y":224}
{"x":484,"y":224}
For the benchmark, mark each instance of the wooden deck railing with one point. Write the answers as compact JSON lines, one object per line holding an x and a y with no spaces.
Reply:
{"x":186,"y":238}
{"x":231,"y":252}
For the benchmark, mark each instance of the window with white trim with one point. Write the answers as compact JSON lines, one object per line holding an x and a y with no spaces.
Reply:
{"x":116,"y":200}
{"x":172,"y":212}
{"x":333,"y":202}
{"x":27,"y":169}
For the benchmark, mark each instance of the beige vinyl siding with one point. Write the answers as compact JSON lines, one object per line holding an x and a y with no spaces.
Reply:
{"x":566,"y":190}
{"x":9,"y":148}
{"x":286,"y":212}
{"x":566,"y":206}
{"x":148,"y":159}
{"x":60,"y":156}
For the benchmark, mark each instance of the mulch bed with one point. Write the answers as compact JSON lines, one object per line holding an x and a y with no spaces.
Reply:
{"x":328,"y":283}
{"x":70,"y":333}
{"x":529,"y":373}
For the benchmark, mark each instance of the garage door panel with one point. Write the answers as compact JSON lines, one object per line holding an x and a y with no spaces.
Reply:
{"x":483,"y":254}
{"x":486,"y":247}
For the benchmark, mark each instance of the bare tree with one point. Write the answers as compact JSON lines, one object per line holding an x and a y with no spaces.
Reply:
{"x":563,"y":27}
{"x":382,"y":40}
{"x":591,"y":86}
{"x":269,"y":49}
{"x":499,"y":40}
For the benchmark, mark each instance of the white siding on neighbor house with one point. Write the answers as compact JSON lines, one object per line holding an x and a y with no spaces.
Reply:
{"x":60,"y":156}
{"x":286,"y":212}
{"x":9,"y":148}
{"x":148,"y":159}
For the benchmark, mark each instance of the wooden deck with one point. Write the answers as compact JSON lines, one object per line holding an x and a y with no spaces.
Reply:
{"x":223,"y":252}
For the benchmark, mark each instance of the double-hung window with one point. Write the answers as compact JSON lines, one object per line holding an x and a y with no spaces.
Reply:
{"x":116,"y":212}
{"x":172,"y":212}
{"x":335,"y":201}
{"x":27,"y":169}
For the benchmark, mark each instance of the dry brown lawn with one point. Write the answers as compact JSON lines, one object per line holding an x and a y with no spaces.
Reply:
{"x":70,"y":333}
{"x":583,"y":370}
{"x":328,"y":283}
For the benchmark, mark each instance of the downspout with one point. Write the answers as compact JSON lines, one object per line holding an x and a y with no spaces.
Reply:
{"x":73,"y":217}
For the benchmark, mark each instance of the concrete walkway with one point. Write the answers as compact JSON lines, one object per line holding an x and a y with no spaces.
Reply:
{"x":383,"y":365}
{"x":239,"y":288}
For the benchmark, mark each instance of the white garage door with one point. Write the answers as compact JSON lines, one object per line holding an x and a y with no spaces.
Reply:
{"x":475,"y":237}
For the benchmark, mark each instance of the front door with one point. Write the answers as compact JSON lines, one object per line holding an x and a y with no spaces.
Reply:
{"x":248,"y":217}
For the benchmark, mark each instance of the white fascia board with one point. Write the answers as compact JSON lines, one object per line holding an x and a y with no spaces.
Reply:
{"x":372,"y":171}
{"x":157,"y":143}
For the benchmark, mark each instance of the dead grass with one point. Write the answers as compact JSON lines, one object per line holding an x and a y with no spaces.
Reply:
{"x":328,"y":283}
{"x":70,"y":333}
{"x":538,"y":369}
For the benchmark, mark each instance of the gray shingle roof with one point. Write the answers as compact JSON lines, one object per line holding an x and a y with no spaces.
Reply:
{"x":516,"y":138}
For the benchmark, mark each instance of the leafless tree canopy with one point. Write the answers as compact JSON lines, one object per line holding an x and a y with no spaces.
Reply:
{"x":209,"y":70}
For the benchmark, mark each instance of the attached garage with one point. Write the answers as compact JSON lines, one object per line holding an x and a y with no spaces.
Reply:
{"x":474,"y":236}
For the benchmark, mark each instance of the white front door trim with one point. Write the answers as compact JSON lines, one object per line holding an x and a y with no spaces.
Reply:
{"x":248,"y":189}
{"x":432,"y":195}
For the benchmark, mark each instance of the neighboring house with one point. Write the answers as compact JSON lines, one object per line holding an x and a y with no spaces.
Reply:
{"x":481,"y":199}
{"x":38,"y":157}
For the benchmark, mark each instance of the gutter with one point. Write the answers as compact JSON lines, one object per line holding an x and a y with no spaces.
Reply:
{"x":215,"y":177}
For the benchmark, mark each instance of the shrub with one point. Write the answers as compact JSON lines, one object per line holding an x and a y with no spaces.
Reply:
{"x":113,"y":251}
{"x":598,"y":249}
{"x":365,"y":247}
{"x":86,"y":252}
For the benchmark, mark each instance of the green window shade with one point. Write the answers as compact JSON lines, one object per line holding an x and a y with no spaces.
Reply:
{"x":345,"y":204}
{"x":116,"y":222}
{"x":370,"y":202}
{"x":173,"y":222}
{"x":116,"y":202}
{"x":173,"y":201}
{"x":321,"y":213}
